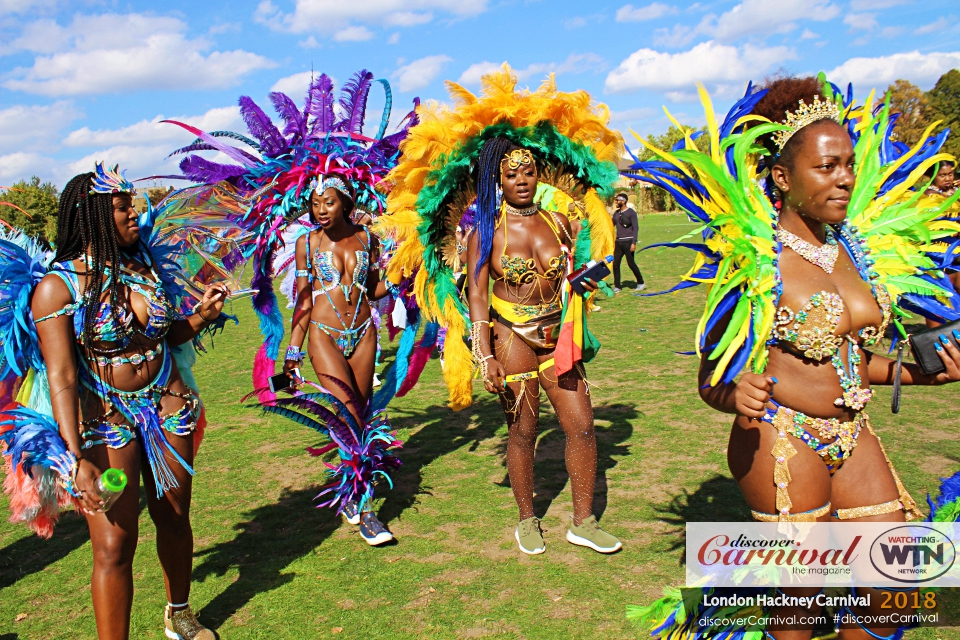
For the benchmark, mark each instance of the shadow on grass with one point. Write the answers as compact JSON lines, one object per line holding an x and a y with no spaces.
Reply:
{"x":443,"y":432}
{"x":273,"y":536}
{"x":33,"y":554}
{"x":550,"y":469}
{"x":715,"y":500}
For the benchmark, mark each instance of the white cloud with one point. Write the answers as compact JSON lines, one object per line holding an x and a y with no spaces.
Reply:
{"x":575,"y":23}
{"x":154,"y":131}
{"x":938,"y":25}
{"x":22,"y":165}
{"x":861,"y":21}
{"x":575,"y":63}
{"x":296,"y":85}
{"x":863,"y":5}
{"x":23,"y":6}
{"x":627,"y":13}
{"x":393,"y":39}
{"x":751,"y":17}
{"x":923,"y":69}
{"x":808,"y":35}
{"x":707,"y":62}
{"x":38,"y":125}
{"x":408,"y":18}
{"x":420,"y":73}
{"x":331,"y":16}
{"x":140,"y":52}
{"x":471,"y":76}
{"x":309,"y":43}
{"x":353,"y":34}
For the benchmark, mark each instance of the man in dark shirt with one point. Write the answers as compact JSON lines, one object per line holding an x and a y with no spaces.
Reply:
{"x":625,"y":226}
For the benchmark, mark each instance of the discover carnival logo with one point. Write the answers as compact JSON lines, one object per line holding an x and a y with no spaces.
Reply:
{"x":913,"y":554}
{"x":822,"y":554}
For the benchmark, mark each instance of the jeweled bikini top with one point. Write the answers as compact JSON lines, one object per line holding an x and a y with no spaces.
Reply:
{"x":110,"y":327}
{"x":518,"y":270}
{"x":811,"y":331}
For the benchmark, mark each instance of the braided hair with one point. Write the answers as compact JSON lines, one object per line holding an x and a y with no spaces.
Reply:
{"x":85,"y":226}
{"x":488,"y":195}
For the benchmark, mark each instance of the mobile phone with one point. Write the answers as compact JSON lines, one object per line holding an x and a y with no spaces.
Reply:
{"x":282,"y":381}
{"x":596,"y":271}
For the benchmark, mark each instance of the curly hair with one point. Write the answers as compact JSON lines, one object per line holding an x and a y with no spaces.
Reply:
{"x":783,"y":96}
{"x":86,"y":227}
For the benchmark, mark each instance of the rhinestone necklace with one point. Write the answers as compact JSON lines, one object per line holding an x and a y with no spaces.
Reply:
{"x":526,"y":211}
{"x":824,"y":256}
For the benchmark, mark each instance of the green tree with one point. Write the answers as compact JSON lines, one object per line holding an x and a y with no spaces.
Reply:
{"x":34,"y":208}
{"x":655,"y":198}
{"x":944,"y":104}
{"x":911,"y":103}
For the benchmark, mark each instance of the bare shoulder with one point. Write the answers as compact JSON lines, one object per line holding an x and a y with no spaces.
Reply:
{"x":51,"y":295}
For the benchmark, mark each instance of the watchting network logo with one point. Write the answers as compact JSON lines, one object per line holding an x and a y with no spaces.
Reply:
{"x":913,"y":554}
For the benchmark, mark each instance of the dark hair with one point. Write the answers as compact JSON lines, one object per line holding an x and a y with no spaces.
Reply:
{"x":488,"y":183}
{"x":621,"y":195}
{"x":936,"y":166}
{"x":783,"y":96}
{"x":85,"y":221}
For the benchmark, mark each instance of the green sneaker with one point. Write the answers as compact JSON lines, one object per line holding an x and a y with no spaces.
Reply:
{"x":529,"y":537}
{"x":589,"y":534}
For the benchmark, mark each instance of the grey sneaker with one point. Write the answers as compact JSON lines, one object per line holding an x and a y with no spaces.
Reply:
{"x":373,"y":531}
{"x":183,"y":625}
{"x":641,"y":287}
{"x":351,"y":512}
{"x":529,"y":537}
{"x":589,"y":534}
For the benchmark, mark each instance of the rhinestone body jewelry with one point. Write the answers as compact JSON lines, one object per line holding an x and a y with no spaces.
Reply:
{"x":824,"y":256}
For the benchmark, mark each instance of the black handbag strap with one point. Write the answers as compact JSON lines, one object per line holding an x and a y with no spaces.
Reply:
{"x":897,"y":371}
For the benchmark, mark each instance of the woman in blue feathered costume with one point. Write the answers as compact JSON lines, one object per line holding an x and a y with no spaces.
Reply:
{"x":108,"y":318}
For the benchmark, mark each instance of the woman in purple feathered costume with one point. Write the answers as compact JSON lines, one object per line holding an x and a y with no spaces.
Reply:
{"x":305,"y":187}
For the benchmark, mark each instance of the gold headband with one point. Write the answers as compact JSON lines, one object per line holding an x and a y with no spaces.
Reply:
{"x":518,"y":157}
{"x":825,"y":110}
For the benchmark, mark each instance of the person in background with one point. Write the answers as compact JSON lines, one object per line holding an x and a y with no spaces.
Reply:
{"x":625,"y":224}
{"x":943,"y":181}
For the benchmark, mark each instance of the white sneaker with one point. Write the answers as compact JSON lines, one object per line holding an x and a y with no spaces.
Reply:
{"x":641,"y":287}
{"x":616,"y":289}
{"x":595,"y":307}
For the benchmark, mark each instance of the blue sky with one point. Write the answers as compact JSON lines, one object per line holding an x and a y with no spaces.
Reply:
{"x":85,"y":80}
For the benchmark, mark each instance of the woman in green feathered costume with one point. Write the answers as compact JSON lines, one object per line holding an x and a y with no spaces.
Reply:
{"x":802,"y":278}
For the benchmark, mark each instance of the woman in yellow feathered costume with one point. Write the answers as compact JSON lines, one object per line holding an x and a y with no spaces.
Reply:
{"x":518,"y":160}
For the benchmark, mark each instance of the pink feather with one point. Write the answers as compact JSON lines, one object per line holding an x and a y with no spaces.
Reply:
{"x":263,"y":369}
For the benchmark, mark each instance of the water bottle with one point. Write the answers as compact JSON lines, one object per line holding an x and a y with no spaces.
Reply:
{"x":110,"y":485}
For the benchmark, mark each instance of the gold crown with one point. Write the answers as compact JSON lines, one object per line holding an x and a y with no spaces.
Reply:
{"x":825,"y":110}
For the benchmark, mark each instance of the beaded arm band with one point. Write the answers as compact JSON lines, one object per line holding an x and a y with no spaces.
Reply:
{"x":294,"y":353}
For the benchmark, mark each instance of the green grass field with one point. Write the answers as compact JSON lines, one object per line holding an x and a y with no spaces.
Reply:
{"x":269,"y":565}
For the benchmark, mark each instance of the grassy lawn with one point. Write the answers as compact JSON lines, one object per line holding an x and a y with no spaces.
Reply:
{"x":269,"y":565}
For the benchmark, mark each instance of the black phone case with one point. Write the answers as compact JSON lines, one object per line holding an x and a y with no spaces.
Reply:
{"x":924,"y":350}
{"x":596,"y":273}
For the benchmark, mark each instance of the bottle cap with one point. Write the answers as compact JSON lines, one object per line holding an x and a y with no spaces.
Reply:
{"x":114,"y":480}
